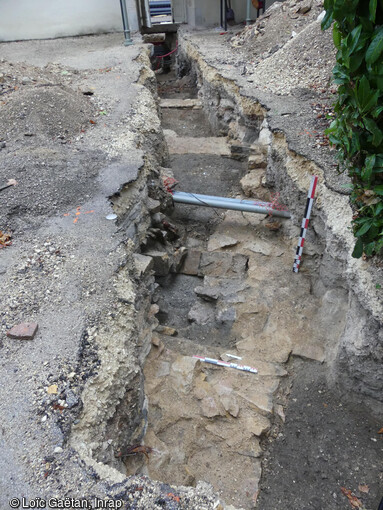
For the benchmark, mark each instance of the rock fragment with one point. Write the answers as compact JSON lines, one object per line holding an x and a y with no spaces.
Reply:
{"x":52,"y":389}
{"x":161,"y":262}
{"x":156,"y":341}
{"x":218,"y":241}
{"x":230,"y":404}
{"x":257,"y":161}
{"x":305,"y":7}
{"x":178,"y":259}
{"x":201,"y":314}
{"x":207,"y":293}
{"x":23,"y":331}
{"x":166,"y":330}
{"x":222,"y":264}
{"x":210,"y":408}
{"x":143,"y":263}
{"x":72,"y":399}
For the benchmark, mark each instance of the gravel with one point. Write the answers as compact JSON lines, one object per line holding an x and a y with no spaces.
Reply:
{"x":285,"y":49}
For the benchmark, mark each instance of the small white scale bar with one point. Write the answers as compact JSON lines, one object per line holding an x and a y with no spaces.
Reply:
{"x":226,"y":364}
{"x":232,"y":356}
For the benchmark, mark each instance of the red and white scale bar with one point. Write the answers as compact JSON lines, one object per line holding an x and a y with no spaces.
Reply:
{"x":305,"y":223}
{"x":220,"y":363}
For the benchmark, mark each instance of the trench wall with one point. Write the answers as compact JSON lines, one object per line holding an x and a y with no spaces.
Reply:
{"x":355,"y":348}
{"x":114,"y":403}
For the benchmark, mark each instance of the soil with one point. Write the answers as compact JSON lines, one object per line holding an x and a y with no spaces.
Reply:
{"x":286,"y":49}
{"x":43,"y":120}
{"x":186,"y":123}
{"x":330,"y":440}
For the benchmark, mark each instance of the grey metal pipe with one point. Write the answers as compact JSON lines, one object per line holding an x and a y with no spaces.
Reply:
{"x":248,"y":19}
{"x":227,"y":199}
{"x":125,"y":22}
{"x":228,"y":203}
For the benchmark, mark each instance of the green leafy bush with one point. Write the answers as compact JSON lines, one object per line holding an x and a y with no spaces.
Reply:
{"x":357,"y":131}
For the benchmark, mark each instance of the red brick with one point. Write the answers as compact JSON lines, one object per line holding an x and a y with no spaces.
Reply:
{"x":23,"y":331}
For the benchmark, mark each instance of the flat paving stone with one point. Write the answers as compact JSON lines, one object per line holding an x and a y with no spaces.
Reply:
{"x":219,"y":241}
{"x":188,"y":145}
{"x":180,"y":103}
{"x":222,"y":264}
{"x":191,"y":263}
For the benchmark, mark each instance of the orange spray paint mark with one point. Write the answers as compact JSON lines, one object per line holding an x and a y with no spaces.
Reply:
{"x":78,"y":213}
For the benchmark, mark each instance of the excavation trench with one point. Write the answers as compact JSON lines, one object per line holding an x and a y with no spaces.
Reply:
{"x":224,"y":290}
{"x":218,"y":283}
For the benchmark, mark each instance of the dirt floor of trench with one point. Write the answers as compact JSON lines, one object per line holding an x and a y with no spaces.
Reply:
{"x":235,"y":294}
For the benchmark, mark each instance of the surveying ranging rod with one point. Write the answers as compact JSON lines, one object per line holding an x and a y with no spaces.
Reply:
{"x":305,"y":223}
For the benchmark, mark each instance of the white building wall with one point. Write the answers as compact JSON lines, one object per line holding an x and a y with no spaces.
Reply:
{"x":44,"y":19}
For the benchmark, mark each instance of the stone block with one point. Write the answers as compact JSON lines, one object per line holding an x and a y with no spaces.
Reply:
{"x":163,"y":369}
{"x":257,"y":161}
{"x":261,"y":402}
{"x":226,"y":104}
{"x":154,"y":38}
{"x":216,"y":146}
{"x":226,"y":314}
{"x":222,"y":264}
{"x":143,"y":263}
{"x":251,"y":183}
{"x":23,"y":331}
{"x":230,"y":404}
{"x":264,"y":247}
{"x":178,"y":259}
{"x":271,"y":346}
{"x":207,"y":293}
{"x":191,"y":263}
{"x":161,"y":262}
{"x":304,"y":7}
{"x":265,"y":136}
{"x":154,"y":206}
{"x":183,"y":372}
{"x":227,"y":288}
{"x":218,"y":241}
{"x":201,"y":387}
{"x":258,"y":149}
{"x":210,"y":407}
{"x":194,"y":104}
{"x":256,"y":424}
{"x":153,"y":310}
{"x":156,"y":341}
{"x":201,"y":314}
{"x":166,"y":330}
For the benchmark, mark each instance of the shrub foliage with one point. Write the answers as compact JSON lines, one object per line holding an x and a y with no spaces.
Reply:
{"x":357,"y":131}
